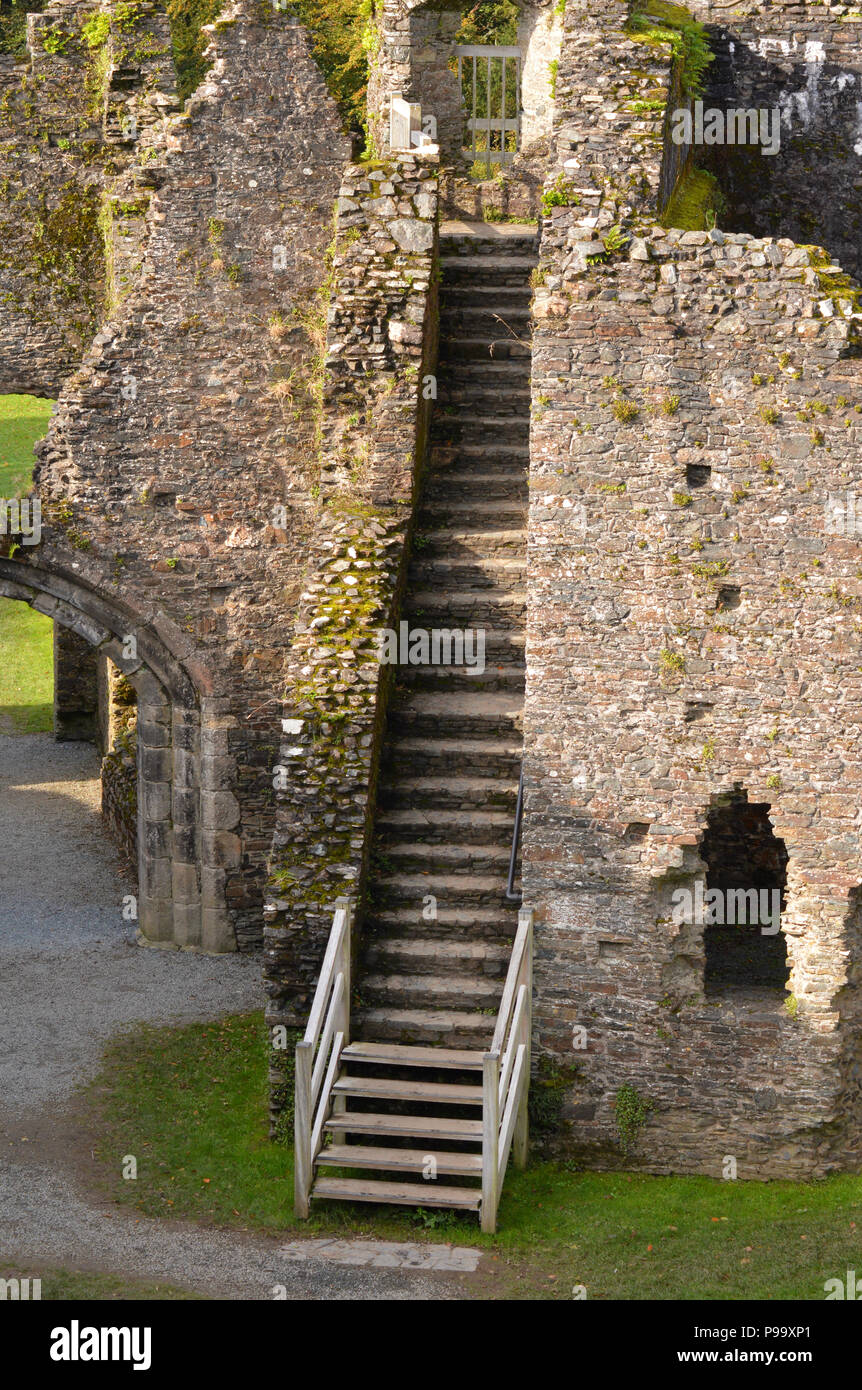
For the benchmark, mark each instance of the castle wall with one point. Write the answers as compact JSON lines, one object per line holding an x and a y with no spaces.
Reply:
{"x":693,"y":627}
{"x":178,"y":477}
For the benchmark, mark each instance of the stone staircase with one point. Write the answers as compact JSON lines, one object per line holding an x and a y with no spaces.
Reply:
{"x":424,"y":1089}
{"x":448,"y":784}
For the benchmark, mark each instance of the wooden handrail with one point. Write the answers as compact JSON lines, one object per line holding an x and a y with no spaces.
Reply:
{"x":506,"y":1074}
{"x":319,"y":1052}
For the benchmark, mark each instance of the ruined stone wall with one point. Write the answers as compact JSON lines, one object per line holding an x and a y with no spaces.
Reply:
{"x":178,"y":476}
{"x":380,"y":355}
{"x":806,"y":61}
{"x":693,"y":627}
{"x":70,"y":215}
{"x":75,"y":686}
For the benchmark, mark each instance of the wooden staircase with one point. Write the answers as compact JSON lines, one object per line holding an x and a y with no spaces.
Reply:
{"x":375,"y":1122}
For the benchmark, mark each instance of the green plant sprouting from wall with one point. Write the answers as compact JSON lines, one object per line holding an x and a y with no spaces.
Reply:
{"x":187,"y":18}
{"x":13,"y":24}
{"x":343,"y":34}
{"x":655,"y":21}
{"x":631,"y":1111}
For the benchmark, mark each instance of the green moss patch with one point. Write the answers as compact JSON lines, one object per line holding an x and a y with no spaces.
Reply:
{"x":696,"y":202}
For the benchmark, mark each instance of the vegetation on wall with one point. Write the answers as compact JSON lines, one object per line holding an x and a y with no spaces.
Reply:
{"x":343,"y":34}
{"x":187,"y":18}
{"x":13,"y":24}
{"x":491,"y":21}
{"x":655,"y":21}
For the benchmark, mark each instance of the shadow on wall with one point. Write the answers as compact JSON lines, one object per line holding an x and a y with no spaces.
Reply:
{"x":810,"y":190}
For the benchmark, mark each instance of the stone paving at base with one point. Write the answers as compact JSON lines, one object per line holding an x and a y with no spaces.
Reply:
{"x":387,"y":1254}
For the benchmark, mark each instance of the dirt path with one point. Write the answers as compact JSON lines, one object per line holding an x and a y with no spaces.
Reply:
{"x":71,"y":976}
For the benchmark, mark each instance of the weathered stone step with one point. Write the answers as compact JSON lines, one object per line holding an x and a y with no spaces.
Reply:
{"x":483,"y":713}
{"x":497,"y":677}
{"x":491,"y":269}
{"x":474,"y":234}
{"x":507,"y":456}
{"x":463,"y":482}
{"x":450,"y":793}
{"x":487,"y":318}
{"x":497,"y":346}
{"x":461,"y":925}
{"x":462,"y":608}
{"x":490,"y":827}
{"x":464,"y":891}
{"x":498,"y":514}
{"x":465,"y":542}
{"x":391,"y":955}
{"x":450,"y":1027}
{"x":412,"y":857}
{"x":468,"y":428}
{"x":428,"y":756}
{"x":479,"y":572}
{"x":432,"y":991}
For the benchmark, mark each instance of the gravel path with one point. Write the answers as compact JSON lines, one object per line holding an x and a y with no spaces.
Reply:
{"x":71,"y":976}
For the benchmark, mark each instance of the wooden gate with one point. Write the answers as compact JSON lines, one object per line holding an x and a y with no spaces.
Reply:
{"x":490,"y":80}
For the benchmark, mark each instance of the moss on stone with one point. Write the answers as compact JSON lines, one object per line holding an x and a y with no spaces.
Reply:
{"x":695,"y":203}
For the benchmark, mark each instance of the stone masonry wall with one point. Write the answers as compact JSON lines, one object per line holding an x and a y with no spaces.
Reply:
{"x":66,"y":163}
{"x":380,"y":354}
{"x":177,"y":477}
{"x":693,"y":627}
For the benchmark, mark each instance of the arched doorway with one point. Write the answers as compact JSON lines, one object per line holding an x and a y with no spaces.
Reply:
{"x":181,"y":883}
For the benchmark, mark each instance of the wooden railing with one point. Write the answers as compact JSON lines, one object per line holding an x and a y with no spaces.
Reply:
{"x":319,"y":1053}
{"x":506,"y":1075}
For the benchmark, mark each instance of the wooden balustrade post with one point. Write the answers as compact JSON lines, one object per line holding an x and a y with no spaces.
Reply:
{"x":490,"y":1139}
{"x":342,"y":1019}
{"x":303,"y":1121}
{"x":521,"y":1139}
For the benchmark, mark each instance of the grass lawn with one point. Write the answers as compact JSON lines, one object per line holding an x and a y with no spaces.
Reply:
{"x":26,"y":637}
{"x":190,"y":1104}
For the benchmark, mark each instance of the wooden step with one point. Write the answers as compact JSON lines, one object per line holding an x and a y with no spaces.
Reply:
{"x":410,"y":1194}
{"x":398,"y":1160}
{"x":406,"y":1126}
{"x":450,"y":1058}
{"x":387,"y":1088}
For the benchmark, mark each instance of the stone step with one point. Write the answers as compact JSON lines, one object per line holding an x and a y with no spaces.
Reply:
{"x":504,"y":643}
{"x":449,"y":1028}
{"x":491,"y":268}
{"x":464,"y":542}
{"x":485,"y":430}
{"x":461,"y":925}
{"x":420,"y":956}
{"x":450,"y":793}
{"x":480,"y":572}
{"x":492,"y":757}
{"x":498,"y":514}
{"x":476,"y":235}
{"x":463,"y":608}
{"x":459,"y":992}
{"x":492,"y":399}
{"x":504,"y":373}
{"x":482,"y":296}
{"x":498,"y":677}
{"x":427,"y":714}
{"x":413,"y":857}
{"x":444,"y":826}
{"x":463,"y":482}
{"x":463,"y":891}
{"x":497,"y":346}
{"x":487,"y":318}
{"x":507,"y":456}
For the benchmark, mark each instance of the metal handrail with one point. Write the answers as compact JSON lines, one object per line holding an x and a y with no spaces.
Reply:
{"x":511,"y":895}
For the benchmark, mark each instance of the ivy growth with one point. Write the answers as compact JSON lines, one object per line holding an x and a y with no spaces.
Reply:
{"x":631,"y":1111}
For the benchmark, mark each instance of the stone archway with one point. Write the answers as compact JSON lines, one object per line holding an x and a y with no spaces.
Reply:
{"x":181,"y":901}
